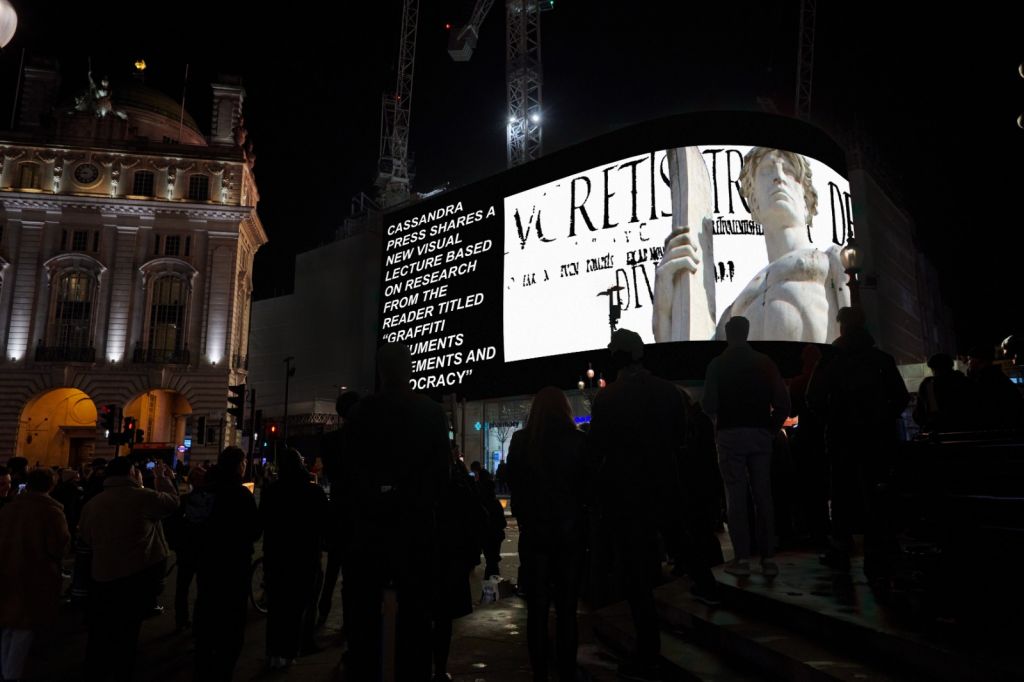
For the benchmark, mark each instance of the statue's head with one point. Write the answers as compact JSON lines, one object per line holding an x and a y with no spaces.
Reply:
{"x":777,"y":187}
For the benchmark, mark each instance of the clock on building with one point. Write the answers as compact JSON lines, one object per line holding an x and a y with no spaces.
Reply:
{"x":86,"y":173}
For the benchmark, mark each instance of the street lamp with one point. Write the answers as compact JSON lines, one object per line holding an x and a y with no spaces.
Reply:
{"x":289,"y":372}
{"x":851,"y":257}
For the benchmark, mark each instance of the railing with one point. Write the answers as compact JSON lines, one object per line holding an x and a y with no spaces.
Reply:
{"x":161,"y":356}
{"x":65,"y":354}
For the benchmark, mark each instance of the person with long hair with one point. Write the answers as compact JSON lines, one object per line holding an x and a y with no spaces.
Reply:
{"x":545,"y":475}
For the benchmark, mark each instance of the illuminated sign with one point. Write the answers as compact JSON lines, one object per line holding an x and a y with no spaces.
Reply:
{"x":671,"y":243}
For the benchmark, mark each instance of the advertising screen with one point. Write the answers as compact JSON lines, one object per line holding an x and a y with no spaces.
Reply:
{"x":670,"y":243}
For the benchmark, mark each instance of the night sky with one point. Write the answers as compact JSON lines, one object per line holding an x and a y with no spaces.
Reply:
{"x":936,"y":95}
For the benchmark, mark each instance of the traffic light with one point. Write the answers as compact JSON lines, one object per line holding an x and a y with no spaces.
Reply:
{"x":108,"y":418}
{"x":139,"y":435}
{"x":272,"y":430}
{"x":237,"y":399}
{"x":129,"y":429}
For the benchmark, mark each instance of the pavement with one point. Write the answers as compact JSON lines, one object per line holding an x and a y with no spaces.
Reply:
{"x":487,"y":646}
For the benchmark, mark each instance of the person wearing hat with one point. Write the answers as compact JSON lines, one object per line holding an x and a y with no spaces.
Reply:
{"x":745,"y":395}
{"x":637,"y":427}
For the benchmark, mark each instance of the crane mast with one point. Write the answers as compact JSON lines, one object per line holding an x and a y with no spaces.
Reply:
{"x":393,"y":168}
{"x":524,"y":81}
{"x":805,"y":64}
{"x":523,"y":71}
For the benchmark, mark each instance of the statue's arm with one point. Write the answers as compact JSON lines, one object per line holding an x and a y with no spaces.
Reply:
{"x":838,"y":291}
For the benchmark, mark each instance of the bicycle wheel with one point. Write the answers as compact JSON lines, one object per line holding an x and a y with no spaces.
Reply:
{"x":257,"y":587}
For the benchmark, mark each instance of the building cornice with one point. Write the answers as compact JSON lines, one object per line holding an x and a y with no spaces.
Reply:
{"x":129,"y":207}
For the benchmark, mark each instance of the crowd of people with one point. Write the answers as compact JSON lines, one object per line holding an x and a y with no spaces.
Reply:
{"x":598,"y":510}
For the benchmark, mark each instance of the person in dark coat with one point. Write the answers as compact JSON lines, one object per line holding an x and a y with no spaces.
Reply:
{"x":943,"y":399}
{"x":68,"y":492}
{"x":122,"y":526}
{"x":399,"y":472}
{"x":861,"y":395}
{"x":496,"y":523}
{"x":745,"y":395}
{"x":334,"y":452}
{"x":461,"y":525}
{"x":33,"y":535}
{"x":636,"y":431}
{"x":222,"y":569}
{"x":7,"y":493}
{"x":183,"y":536}
{"x":692,"y":540}
{"x":544,"y":464}
{"x":997,"y":402}
{"x":293,"y":512}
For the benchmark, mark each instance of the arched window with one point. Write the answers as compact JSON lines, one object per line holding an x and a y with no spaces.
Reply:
{"x":167,"y":308}
{"x":72,"y":311}
{"x":198,"y":188}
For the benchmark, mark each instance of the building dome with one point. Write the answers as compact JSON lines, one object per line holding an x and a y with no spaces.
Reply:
{"x":155,"y":115}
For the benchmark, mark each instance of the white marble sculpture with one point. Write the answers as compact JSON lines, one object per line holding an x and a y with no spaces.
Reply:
{"x":797,"y":295}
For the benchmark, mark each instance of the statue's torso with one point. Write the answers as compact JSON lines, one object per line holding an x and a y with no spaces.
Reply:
{"x":788,"y":299}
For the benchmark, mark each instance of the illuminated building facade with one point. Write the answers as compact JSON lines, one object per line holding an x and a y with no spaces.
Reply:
{"x":127,"y":240}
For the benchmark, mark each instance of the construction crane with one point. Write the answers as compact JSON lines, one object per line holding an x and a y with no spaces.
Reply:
{"x":523,"y":72}
{"x":393,"y":168}
{"x":805,"y":63}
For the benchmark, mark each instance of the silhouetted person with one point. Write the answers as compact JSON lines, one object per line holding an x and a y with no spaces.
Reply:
{"x":636,"y":430}
{"x":183,"y":536}
{"x":33,"y":535}
{"x":68,"y":492}
{"x":745,"y":395}
{"x":496,"y":523}
{"x":293,"y":511}
{"x":93,"y":485}
{"x":807,"y":444}
{"x":122,"y":527}
{"x":501,"y":479}
{"x":461,"y":526}
{"x":861,"y":395}
{"x":7,"y":491}
{"x":544,"y":464}
{"x":692,"y":542}
{"x":222,"y":575}
{"x":997,"y":402}
{"x":943,"y":399}
{"x":334,"y":452}
{"x":399,"y":475}
{"x":732,"y":270}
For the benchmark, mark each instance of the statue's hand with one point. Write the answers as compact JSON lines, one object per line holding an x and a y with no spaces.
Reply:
{"x":682,"y":254}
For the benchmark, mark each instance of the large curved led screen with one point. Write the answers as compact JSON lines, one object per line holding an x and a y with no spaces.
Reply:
{"x":669,"y":243}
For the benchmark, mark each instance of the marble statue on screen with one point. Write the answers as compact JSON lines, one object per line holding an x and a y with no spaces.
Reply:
{"x":797,"y":295}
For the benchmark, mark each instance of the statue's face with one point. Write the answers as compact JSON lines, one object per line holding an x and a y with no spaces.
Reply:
{"x":779,"y":197}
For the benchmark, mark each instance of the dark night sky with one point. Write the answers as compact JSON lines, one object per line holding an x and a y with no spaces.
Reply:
{"x":936,"y":93}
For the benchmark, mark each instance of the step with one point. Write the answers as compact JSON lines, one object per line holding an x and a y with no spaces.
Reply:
{"x":818,"y":603}
{"x":681,"y":658}
{"x":767,"y":646}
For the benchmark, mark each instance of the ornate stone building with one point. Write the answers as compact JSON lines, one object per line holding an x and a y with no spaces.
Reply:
{"x":126,"y":247}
